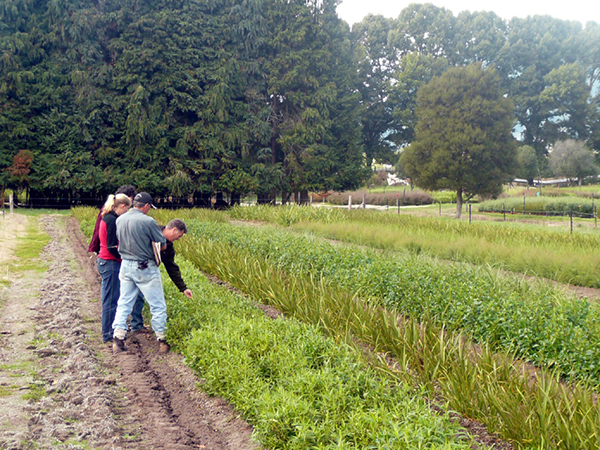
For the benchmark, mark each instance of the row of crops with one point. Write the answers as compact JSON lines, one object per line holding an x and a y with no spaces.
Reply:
{"x":557,"y":255}
{"x":537,"y":323}
{"x":425,"y":315}
{"x":298,"y":388}
{"x":580,"y":207}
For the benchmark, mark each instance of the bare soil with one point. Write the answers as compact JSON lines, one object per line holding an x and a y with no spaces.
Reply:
{"x":62,"y":388}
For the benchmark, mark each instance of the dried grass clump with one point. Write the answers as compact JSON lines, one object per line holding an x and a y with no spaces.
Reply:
{"x":414,"y":197}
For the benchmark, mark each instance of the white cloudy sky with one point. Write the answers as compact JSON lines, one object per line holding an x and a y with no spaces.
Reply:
{"x":581,"y":10}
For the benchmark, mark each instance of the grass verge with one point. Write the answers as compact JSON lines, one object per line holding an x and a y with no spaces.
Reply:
{"x":30,"y":247}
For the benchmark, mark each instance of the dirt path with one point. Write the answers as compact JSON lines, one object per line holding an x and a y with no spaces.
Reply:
{"x":12,"y":227}
{"x":61,"y":388}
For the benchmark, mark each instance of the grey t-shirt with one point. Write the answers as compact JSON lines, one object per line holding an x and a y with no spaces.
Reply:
{"x":136,"y":231}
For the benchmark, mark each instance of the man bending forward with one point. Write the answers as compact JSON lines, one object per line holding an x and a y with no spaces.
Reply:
{"x":136,"y":232}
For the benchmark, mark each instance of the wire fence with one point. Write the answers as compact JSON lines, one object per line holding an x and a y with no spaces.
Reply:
{"x":576,"y":218}
{"x":507,"y":214}
{"x":546,"y":215}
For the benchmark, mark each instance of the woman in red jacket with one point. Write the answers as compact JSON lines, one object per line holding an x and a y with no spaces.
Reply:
{"x":109,"y":260}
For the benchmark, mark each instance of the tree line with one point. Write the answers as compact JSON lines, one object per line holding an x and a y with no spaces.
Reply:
{"x":196,"y":99}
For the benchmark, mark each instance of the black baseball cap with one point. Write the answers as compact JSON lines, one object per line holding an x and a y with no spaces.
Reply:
{"x":144,"y":197}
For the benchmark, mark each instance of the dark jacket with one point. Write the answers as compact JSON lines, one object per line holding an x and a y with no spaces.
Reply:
{"x":94,"y":246}
{"x":168,"y":258}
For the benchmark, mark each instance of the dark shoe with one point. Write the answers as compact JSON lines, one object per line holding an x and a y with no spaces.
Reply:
{"x":163,"y":347}
{"x":118,"y":345}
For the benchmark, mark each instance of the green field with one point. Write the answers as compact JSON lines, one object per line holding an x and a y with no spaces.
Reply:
{"x":524,"y":248}
{"x":454,"y":331}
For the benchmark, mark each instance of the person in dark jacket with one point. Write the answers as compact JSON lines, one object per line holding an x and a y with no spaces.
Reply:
{"x":109,"y":259}
{"x":174,"y":230}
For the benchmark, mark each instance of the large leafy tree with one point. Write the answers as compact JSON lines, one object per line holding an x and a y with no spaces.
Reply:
{"x":414,"y":71}
{"x":535,"y":47}
{"x":572,"y":159}
{"x":527,"y":164}
{"x":463,"y":136}
{"x":480,"y":36}
{"x":425,"y":29}
{"x":565,"y":101}
{"x":594,"y":124}
{"x":376,"y":67}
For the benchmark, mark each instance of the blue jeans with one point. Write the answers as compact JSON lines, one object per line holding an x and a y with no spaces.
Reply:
{"x":137,"y":319}
{"x":148,"y":281}
{"x":109,"y":271}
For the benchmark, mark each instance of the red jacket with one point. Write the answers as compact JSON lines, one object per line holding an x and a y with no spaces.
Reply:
{"x":108,"y":238}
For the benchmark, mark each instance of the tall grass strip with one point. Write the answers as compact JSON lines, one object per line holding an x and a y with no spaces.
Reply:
{"x":560,"y":256}
{"x":86,"y":215}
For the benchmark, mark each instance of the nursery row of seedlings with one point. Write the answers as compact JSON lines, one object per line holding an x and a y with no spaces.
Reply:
{"x":561,"y":256}
{"x":298,"y":388}
{"x":343,"y":291}
{"x":545,"y":205}
{"x":492,"y":231}
{"x":537,"y":322}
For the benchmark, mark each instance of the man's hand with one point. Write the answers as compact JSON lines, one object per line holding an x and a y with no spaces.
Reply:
{"x":188,"y":293}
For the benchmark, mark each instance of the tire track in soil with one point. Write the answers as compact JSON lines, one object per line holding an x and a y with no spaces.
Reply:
{"x":134,"y":400}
